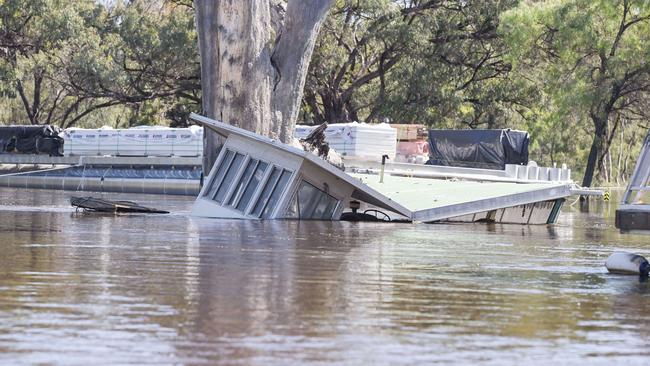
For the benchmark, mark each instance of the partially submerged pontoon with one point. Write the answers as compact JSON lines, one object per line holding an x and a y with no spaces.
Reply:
{"x":255,"y":177}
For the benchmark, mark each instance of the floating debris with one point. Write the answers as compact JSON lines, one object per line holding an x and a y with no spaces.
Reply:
{"x":100,"y":205}
{"x":627,"y":263}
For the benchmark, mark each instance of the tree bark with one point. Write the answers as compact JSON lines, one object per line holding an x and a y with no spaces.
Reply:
{"x":254,"y":60}
{"x":597,"y":148}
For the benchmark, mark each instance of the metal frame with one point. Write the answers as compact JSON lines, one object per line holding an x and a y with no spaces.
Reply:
{"x":235,"y":180}
{"x":275,"y":186}
{"x":640,"y":180}
{"x":250,"y":207}
{"x":511,"y":174}
{"x":235,"y":200}
{"x":213,"y":181}
{"x":468,"y":208}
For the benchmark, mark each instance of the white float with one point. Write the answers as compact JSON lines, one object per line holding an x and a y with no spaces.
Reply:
{"x":627,"y":263}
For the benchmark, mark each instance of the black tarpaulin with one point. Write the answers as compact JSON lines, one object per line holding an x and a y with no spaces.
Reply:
{"x":31,"y":140}
{"x":487,"y":149}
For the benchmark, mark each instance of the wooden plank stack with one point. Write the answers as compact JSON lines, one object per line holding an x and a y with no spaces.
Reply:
{"x":409,"y":132}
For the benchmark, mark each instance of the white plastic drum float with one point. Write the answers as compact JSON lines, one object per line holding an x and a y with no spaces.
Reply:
{"x":627,"y":263}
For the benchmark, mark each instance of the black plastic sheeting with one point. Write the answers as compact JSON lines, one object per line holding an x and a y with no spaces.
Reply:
{"x":486,"y":149}
{"x":31,"y":140}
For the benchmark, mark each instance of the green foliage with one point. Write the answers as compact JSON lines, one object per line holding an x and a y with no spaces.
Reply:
{"x":69,"y":59}
{"x":574,"y":73}
{"x":590,"y":62}
{"x":440,"y":63}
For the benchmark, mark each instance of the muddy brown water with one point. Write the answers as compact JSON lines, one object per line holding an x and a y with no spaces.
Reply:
{"x":94,"y":289}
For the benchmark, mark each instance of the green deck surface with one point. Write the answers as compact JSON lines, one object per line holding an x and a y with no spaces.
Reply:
{"x":424,"y":193}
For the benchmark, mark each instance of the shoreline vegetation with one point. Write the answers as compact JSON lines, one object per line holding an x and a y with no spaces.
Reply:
{"x":574,"y":73}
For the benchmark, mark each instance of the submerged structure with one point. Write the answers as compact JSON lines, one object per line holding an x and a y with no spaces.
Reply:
{"x":148,"y":159}
{"x":634,"y":210}
{"x":259,"y":178}
{"x":154,"y":175}
{"x":255,"y":177}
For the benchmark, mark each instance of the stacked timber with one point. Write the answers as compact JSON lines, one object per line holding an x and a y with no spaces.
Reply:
{"x":412,"y":145}
{"x":410,"y":132}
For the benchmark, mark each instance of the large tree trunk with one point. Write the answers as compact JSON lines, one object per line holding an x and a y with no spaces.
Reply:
{"x":598,"y":148}
{"x":254,"y":60}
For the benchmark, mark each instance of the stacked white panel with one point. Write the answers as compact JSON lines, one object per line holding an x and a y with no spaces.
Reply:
{"x":359,"y":140}
{"x":132,"y":142}
{"x":159,"y":141}
{"x":80,"y":142}
{"x":109,"y":142}
{"x":186,"y":141}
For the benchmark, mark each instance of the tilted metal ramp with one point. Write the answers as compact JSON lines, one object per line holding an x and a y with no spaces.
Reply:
{"x":634,"y":210}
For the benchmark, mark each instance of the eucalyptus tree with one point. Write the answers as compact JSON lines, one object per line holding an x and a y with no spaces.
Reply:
{"x":359,"y":44}
{"x":254,"y":59}
{"x":593,"y":60}
{"x":455,"y":73}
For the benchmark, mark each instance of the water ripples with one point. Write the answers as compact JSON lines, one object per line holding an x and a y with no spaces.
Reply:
{"x":102,"y":289}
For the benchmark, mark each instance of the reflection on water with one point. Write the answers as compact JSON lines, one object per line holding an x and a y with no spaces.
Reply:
{"x":86,"y":289}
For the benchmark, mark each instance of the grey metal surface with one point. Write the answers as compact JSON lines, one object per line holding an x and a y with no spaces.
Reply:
{"x":98,"y":160}
{"x":108,"y":178}
{"x":38,"y":159}
{"x":439,"y":213}
{"x":124,"y":185}
{"x":139,"y":160}
{"x":512,"y":173}
{"x":576,"y":191}
{"x":633,"y":213}
{"x":639,"y":182}
{"x":632,"y":219}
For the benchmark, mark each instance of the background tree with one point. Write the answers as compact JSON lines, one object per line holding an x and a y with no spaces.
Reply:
{"x":28,"y":46}
{"x":144,"y":52}
{"x":574,"y":73}
{"x":592,"y":59}
{"x":65,"y":60}
{"x":433,"y":62}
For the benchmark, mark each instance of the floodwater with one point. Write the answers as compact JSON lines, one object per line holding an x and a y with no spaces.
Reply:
{"x":93,"y":289}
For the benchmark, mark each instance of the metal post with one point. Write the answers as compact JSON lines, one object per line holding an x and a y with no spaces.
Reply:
{"x":383,"y":164}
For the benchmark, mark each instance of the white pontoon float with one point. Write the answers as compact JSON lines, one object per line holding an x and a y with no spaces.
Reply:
{"x":255,"y":177}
